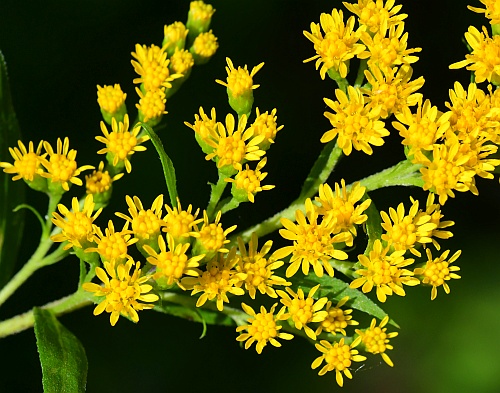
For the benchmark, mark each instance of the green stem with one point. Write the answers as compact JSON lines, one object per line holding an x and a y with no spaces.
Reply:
{"x":360,"y":77}
{"x":59,"y":307}
{"x":215,"y":195}
{"x":404,"y":173}
{"x":230,"y":205}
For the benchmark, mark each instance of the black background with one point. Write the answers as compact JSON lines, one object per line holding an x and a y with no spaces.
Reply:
{"x":57,"y":52}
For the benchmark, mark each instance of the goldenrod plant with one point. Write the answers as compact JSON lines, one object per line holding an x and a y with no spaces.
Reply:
{"x":324,"y":265}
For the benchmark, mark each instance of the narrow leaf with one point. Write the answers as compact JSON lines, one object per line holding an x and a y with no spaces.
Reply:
{"x":201,"y":315}
{"x":11,"y":193}
{"x":63,"y":359}
{"x":166,"y":163}
{"x":373,"y":225}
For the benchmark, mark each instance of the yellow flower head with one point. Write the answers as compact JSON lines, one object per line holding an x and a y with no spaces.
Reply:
{"x":123,"y":292}
{"x":337,"y":319}
{"x":173,"y":263}
{"x":232,"y":147}
{"x":146,"y":224}
{"x":152,"y":66}
{"x":385,"y":272}
{"x":405,"y":232}
{"x":376,"y":339}
{"x":239,"y":81}
{"x":424,"y":128}
{"x":181,"y":62}
{"x":446,"y":171}
{"x":263,"y":328}
{"x":100,"y":181}
{"x":391,"y":50}
{"x":265,"y":124}
{"x":212,"y":238}
{"x":341,"y":207}
{"x":434,"y":211}
{"x":121,"y":143}
{"x":174,"y":37}
{"x":491,"y":10}
{"x":203,"y":126}
{"x":258,"y":268}
{"x":180,"y":223}
{"x":246,"y":183}
{"x":112,"y":246}
{"x":484,"y":58}
{"x":392,"y":90}
{"x":201,"y":11}
{"x":338,"y":357}
{"x":77,"y":226}
{"x":204,"y":47}
{"x":61,"y":166}
{"x":151,"y":105}
{"x":27,"y":162}
{"x":111,"y":99}
{"x":356,"y":123}
{"x":375,"y":15}
{"x":437,"y":271}
{"x":217,"y":280}
{"x":313,"y":242}
{"x":303,"y":310}
{"x":338,"y":46}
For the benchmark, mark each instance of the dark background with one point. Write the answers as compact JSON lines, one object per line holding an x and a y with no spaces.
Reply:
{"x":58,"y":51}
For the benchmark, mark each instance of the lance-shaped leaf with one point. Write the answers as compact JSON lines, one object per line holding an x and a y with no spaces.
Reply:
{"x":62,"y":356}
{"x":373,"y":225}
{"x":11,"y":193}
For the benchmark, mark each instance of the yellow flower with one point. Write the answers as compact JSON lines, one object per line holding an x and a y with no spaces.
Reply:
{"x":303,"y":310}
{"x":263,"y":328}
{"x":151,"y":105}
{"x":388,"y":47}
{"x":61,"y":166}
{"x":239,"y":80}
{"x":405,"y":232}
{"x":204,"y":47}
{"x":121,"y":143}
{"x":152,"y":67}
{"x":146,"y":224}
{"x":337,"y":319}
{"x":171,"y":265}
{"x":384,"y":272}
{"x":338,"y":357}
{"x":313,"y":242}
{"x":27,"y":162}
{"x":341,"y":206}
{"x":112,"y":246}
{"x":78,"y":228}
{"x":246,"y":183}
{"x":434,"y":211}
{"x":100,"y":181}
{"x":446,"y":171}
{"x":180,"y":223}
{"x":258,"y":268}
{"x":356,"y":123}
{"x":437,"y":271}
{"x":199,"y":17}
{"x":491,"y":10}
{"x":425,"y":127}
{"x":111,"y":100}
{"x":392,"y":89}
{"x":217,"y":280}
{"x":265,"y":124}
{"x":376,"y":339}
{"x":484,"y":60}
{"x":123,"y":292}
{"x":174,"y":37}
{"x":211,"y":238}
{"x":338,"y":46}
{"x":375,"y":15}
{"x":181,"y":62}
{"x":232,"y":147}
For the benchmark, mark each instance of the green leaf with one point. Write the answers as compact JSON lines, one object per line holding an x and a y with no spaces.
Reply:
{"x":201,"y":315}
{"x":335,"y":289}
{"x":166,"y":163}
{"x":11,"y":193}
{"x":63,"y":359}
{"x":373,"y":225}
{"x":321,"y":169}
